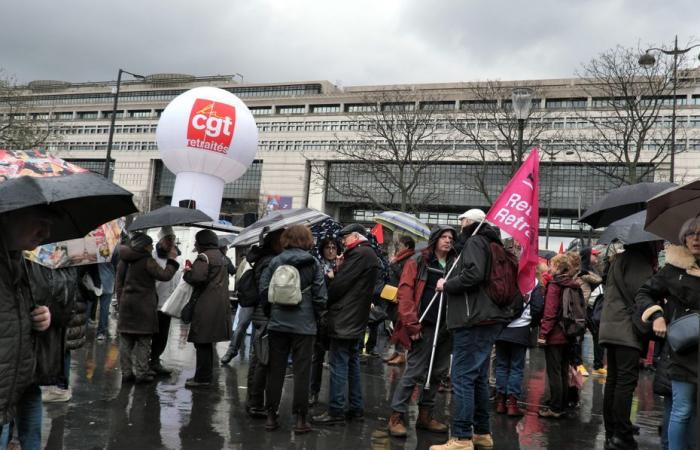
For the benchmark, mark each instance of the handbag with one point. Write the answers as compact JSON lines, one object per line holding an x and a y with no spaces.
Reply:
{"x":682,"y":334}
{"x":187,"y":313}
{"x":575,"y":378}
{"x":262,"y":347}
{"x":177,"y":301}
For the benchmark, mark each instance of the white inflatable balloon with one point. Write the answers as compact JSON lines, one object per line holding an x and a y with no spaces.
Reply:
{"x":207,"y":137}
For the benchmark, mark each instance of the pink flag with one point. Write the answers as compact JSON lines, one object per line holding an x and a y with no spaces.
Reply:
{"x":516,"y":211}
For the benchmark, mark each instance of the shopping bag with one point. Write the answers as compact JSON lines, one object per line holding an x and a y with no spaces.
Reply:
{"x":575,"y":378}
{"x":178,"y":299}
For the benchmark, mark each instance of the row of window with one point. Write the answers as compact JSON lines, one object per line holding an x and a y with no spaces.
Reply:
{"x":102,"y":146}
{"x":104,"y":129}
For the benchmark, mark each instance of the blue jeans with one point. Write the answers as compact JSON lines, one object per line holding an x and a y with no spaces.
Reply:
{"x":471,"y":351}
{"x":680,"y":427}
{"x":28,"y":420}
{"x":344,"y":357}
{"x":510,"y":365}
{"x":103,"y":320}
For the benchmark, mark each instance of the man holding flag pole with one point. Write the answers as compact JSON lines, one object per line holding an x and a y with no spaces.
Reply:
{"x":483,"y":293}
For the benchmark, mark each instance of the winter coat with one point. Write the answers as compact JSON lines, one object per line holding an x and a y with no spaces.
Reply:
{"x":589,"y":281}
{"x":468,"y":304}
{"x":350,"y":294}
{"x":302,"y":318}
{"x":411,"y":287}
{"x":211,"y":319}
{"x":259,"y":258}
{"x":678,"y":282}
{"x":628,"y":272}
{"x":17,"y":357}
{"x":550,"y":329}
{"x":165,"y":288}
{"x":397,"y":264}
{"x":137,"y":273}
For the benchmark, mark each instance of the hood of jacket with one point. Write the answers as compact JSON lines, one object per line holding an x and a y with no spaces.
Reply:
{"x":256,"y":253}
{"x":565,"y":281}
{"x":679,"y":256}
{"x":295,"y":257}
{"x":206,"y":239}
{"x":437,"y":232}
{"x":130,"y":255}
{"x":490,"y":232}
{"x":403,"y":255}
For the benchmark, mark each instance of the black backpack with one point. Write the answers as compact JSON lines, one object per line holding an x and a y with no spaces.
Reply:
{"x":247,"y":288}
{"x":573,"y":312}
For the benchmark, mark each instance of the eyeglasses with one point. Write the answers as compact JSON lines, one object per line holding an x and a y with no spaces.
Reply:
{"x":695,"y":235}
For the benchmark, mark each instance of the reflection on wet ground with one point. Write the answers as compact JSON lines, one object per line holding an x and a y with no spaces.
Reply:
{"x":165,"y":415}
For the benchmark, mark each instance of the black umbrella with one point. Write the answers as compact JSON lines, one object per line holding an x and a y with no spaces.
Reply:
{"x":670,"y":209}
{"x":629,"y":230}
{"x":168,"y":215}
{"x":81,"y":201}
{"x":621,"y":202}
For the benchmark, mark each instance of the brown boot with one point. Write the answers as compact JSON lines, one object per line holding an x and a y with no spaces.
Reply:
{"x":398,"y":360}
{"x":302,"y":426}
{"x":501,"y":403}
{"x":397,"y":427}
{"x":512,"y":407}
{"x":271,"y":424}
{"x":426,"y":422}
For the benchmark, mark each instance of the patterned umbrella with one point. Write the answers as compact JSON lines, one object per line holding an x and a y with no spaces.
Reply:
{"x":276,"y":220}
{"x":397,"y":220}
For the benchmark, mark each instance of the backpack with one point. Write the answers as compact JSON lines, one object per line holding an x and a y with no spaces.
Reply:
{"x":502,"y":286}
{"x":247,"y":288}
{"x":573,"y":313}
{"x":285,"y":286}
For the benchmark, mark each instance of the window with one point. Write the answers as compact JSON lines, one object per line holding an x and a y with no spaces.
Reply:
{"x":398,"y":106}
{"x":140,"y":113}
{"x":360,"y":107}
{"x":565,"y":103}
{"x":295,"y":109}
{"x":478,"y":104}
{"x":260,"y":110}
{"x":438,"y":106}
{"x":88,"y":115}
{"x":320,"y":109}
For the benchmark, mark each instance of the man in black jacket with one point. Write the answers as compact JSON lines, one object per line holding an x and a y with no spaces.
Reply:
{"x":349,"y":298}
{"x":475,"y":321}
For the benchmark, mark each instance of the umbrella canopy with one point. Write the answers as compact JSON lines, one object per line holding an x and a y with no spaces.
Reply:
{"x":168,"y":215}
{"x":629,"y":230}
{"x":667,"y":212}
{"x":277,"y":220}
{"x":81,"y":200}
{"x":397,"y":220}
{"x":621,"y":202}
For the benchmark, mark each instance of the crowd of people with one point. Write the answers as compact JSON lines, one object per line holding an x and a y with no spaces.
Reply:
{"x":447,"y":320}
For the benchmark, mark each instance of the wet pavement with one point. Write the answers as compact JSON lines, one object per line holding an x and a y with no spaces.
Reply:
{"x":165,"y":415}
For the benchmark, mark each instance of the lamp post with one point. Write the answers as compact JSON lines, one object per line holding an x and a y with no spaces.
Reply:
{"x":647,"y":60}
{"x":549,"y":199}
{"x":522,"y":104}
{"x":114,"y":115}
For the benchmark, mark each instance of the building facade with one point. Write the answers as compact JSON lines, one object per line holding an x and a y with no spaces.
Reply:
{"x":301,"y":124}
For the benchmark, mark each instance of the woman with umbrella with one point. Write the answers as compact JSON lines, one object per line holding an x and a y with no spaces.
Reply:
{"x":672,"y":293}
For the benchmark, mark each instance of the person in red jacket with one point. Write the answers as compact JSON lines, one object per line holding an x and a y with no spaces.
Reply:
{"x":416,"y":290}
{"x":553,"y":337}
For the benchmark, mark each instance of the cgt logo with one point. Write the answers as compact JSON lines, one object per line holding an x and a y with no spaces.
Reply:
{"x":211,"y":125}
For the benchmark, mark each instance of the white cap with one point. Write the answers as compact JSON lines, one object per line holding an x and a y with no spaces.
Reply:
{"x":165,"y":232}
{"x":475,"y":215}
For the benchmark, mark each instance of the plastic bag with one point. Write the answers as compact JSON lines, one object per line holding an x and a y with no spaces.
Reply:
{"x":575,"y":378}
{"x":178,"y":299}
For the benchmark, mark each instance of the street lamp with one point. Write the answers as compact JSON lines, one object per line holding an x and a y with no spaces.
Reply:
{"x":114,"y":115}
{"x":522,"y":103}
{"x":647,"y":60}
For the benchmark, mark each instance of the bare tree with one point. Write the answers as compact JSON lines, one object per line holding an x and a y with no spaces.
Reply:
{"x":626,"y":140}
{"x":18,"y":128}
{"x":491,"y":132}
{"x":390,"y":162}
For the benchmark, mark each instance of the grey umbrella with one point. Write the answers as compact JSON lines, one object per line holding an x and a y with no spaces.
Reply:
{"x":277,"y":220}
{"x":168,"y":215}
{"x":629,"y":230}
{"x":621,"y":202}
{"x":667,"y":211}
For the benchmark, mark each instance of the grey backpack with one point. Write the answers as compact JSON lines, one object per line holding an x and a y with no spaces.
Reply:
{"x":285,"y":286}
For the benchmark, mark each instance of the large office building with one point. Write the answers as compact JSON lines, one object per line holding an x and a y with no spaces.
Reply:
{"x":301,"y":124}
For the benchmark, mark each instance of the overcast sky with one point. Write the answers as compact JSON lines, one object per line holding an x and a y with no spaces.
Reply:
{"x":352,"y":42}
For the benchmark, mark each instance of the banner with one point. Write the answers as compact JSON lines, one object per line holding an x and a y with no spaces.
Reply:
{"x":97,"y":247}
{"x":516,"y":211}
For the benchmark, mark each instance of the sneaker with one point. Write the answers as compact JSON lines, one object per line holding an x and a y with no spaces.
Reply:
{"x":101,"y":337}
{"x":602,"y":372}
{"x":484,"y":441}
{"x":582,"y":370}
{"x":54,"y":394}
{"x":455,"y":444}
{"x":327,"y":419}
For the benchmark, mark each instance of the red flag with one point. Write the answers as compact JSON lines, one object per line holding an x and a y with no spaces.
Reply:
{"x":378,"y":232}
{"x":561,"y":248}
{"x":516,"y":211}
